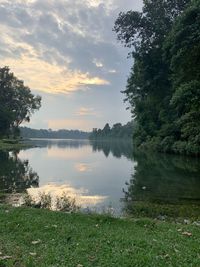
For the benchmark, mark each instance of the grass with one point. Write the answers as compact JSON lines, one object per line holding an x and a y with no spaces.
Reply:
{"x":11,"y":144}
{"x":170,"y":212}
{"x":34,"y":237}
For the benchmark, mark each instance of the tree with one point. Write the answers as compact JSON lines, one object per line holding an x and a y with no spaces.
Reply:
{"x":106,"y":130}
{"x":182,"y":46}
{"x":117,"y":131}
{"x":17,"y":103}
{"x":182,"y":51}
{"x":149,"y":86}
{"x":5,"y":120}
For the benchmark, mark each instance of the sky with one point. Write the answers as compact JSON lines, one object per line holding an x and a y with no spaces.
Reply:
{"x":66,"y":52}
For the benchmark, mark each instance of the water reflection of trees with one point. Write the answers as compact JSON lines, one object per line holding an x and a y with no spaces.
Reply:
{"x":163,"y":179}
{"x":15,"y":175}
{"x":60,"y":143}
{"x":116,"y":148}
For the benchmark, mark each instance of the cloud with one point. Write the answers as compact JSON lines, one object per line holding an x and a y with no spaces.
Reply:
{"x":68,"y":49}
{"x":86,"y":112}
{"x":60,"y":153}
{"x":53,"y":44}
{"x":50,"y":78}
{"x":83,"y":167}
{"x":112,"y":71}
{"x":98,"y":63}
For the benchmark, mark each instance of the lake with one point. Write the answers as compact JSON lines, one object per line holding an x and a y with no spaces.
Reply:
{"x":100,"y":175}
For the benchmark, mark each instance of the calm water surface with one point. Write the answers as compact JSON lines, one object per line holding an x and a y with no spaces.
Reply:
{"x":100,"y":174}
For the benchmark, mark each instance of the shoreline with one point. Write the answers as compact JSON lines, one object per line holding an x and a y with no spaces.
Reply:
{"x":10,"y":144}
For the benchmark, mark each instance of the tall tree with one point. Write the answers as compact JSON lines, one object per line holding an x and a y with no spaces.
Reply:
{"x":17,"y":103}
{"x":182,"y":51}
{"x":149,"y":85}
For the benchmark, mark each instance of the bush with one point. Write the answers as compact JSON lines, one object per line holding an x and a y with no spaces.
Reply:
{"x":47,"y":201}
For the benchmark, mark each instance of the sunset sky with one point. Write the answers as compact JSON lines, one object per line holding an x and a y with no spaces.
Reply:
{"x":66,"y":52}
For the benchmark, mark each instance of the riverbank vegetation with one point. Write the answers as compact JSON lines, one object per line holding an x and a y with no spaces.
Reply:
{"x":117,"y":131}
{"x":12,"y":144}
{"x":33,"y":237}
{"x":163,"y":88}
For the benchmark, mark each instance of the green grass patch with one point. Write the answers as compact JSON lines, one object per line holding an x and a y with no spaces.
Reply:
{"x":12,"y":144}
{"x":33,"y":237}
{"x":169,"y":212}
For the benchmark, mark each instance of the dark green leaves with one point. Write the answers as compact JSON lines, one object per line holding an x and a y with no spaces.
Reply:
{"x":163,"y":86}
{"x":17,"y":103}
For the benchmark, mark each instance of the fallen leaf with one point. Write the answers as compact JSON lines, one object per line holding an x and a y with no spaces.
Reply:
{"x":79,"y":265}
{"x":5,"y":257}
{"x":187,"y":233}
{"x":196,"y":223}
{"x":91,"y":258}
{"x":35,"y":242}
{"x":32,"y":253}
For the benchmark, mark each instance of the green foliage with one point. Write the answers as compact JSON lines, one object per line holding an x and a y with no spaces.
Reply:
{"x":17,"y":103}
{"x":182,"y":46}
{"x":182,"y":50}
{"x":167,"y":212}
{"x":163,"y":87}
{"x":12,"y":144}
{"x":66,"y":204}
{"x":117,"y":131}
{"x":5,"y":120}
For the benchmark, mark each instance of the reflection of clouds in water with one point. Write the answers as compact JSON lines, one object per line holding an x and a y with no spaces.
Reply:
{"x":80,"y":195}
{"x":60,"y":153}
{"x":83,"y":167}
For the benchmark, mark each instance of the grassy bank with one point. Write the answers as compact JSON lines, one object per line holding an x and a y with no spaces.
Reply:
{"x":9,"y":144}
{"x":31,"y":237}
{"x":168,"y":212}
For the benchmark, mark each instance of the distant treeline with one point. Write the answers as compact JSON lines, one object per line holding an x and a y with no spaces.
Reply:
{"x":60,"y":134}
{"x":117,"y":131}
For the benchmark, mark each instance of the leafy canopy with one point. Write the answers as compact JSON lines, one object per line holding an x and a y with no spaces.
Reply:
{"x":17,"y":103}
{"x":163,"y":86}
